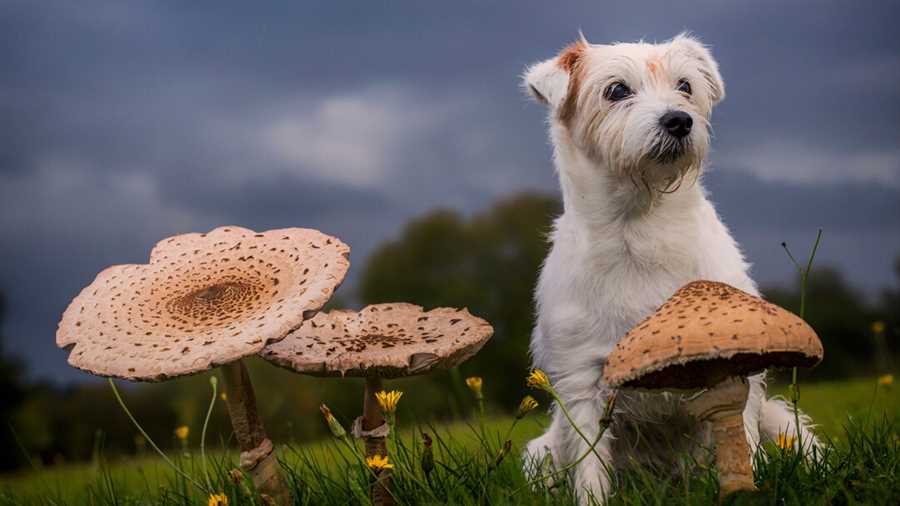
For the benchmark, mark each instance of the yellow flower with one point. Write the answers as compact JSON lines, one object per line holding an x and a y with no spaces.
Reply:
{"x":333,"y":425}
{"x":886,"y":380}
{"x":527,"y":404}
{"x":877,"y":327}
{"x":377,"y":463}
{"x":218,"y":500}
{"x":474,"y":383}
{"x":537,"y":379}
{"x":182,"y":432}
{"x":784,"y":441}
{"x":223,"y":396}
{"x":388,"y":400}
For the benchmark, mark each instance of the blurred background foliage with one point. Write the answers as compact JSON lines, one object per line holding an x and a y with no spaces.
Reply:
{"x":487,"y":262}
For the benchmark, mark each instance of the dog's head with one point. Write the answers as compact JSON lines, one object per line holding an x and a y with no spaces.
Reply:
{"x":639,"y":110}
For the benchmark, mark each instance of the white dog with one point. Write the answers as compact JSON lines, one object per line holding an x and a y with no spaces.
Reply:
{"x":630,"y":131}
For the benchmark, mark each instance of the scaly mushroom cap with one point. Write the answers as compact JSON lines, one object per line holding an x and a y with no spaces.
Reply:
{"x":387,"y":340}
{"x":203,"y":300}
{"x":705,"y":333}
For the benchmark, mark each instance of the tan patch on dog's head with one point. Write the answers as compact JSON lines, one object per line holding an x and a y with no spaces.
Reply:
{"x":570,"y":60}
{"x":570,"y":56}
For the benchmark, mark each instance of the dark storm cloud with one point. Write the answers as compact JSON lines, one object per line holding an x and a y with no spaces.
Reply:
{"x":127,"y":122}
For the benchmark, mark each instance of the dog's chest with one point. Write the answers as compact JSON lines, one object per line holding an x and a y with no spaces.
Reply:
{"x":595,"y":288}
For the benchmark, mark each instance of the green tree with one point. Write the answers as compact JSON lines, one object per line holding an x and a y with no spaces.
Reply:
{"x":889,"y":311}
{"x":12,"y":388}
{"x":488,"y":263}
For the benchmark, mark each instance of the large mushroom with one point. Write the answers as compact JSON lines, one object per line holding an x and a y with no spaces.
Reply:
{"x":206,"y":301}
{"x":380,"y":341}
{"x":708,"y":337}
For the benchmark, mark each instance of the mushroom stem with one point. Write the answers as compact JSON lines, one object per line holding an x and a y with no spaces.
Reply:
{"x":723,"y":406}
{"x":372,"y":418}
{"x":376,"y":444}
{"x":257,"y":455}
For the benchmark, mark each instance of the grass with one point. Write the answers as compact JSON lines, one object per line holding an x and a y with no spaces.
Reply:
{"x":860,"y":465}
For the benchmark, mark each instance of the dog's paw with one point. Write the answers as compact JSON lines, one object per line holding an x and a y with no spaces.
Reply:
{"x":540,"y":464}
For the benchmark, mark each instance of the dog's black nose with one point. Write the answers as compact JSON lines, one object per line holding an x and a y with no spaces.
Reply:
{"x":677,"y":123}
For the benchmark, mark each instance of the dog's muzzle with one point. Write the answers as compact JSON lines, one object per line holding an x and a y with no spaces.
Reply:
{"x":673,"y":140}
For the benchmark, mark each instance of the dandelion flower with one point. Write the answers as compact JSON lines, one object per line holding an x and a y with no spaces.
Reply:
{"x":886,"y":380}
{"x":378,"y":463}
{"x":877,"y":327}
{"x":474,"y":383}
{"x":388,"y":400}
{"x":537,"y":379}
{"x":528,"y":404}
{"x":218,"y":500}
{"x":333,"y":425}
{"x":182,"y":432}
{"x":784,"y":441}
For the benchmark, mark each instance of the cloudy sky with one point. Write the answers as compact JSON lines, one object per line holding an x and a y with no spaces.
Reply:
{"x":126,"y":122}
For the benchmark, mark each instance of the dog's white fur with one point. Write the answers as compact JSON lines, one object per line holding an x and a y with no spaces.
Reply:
{"x":633,"y":230}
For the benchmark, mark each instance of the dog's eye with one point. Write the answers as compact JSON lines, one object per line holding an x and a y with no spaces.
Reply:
{"x":617,"y":91}
{"x":684,"y":86}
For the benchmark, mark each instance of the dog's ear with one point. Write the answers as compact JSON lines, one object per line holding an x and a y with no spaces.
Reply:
{"x":548,"y":82}
{"x":707,"y":64}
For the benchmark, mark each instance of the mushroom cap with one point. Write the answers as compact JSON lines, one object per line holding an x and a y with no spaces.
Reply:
{"x":705,"y":333}
{"x":385,"y":340}
{"x":202,"y":300}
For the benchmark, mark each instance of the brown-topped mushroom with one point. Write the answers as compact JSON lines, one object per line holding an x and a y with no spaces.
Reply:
{"x":204,"y":301}
{"x":710,"y":335}
{"x":380,"y":341}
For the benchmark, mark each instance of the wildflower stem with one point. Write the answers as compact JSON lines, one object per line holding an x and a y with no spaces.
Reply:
{"x":539,"y":380}
{"x":140,"y":429}
{"x":21,"y":446}
{"x":562,"y":407}
{"x":213,"y":382}
{"x":510,"y":429}
{"x":604,"y":424}
{"x":481,"y":427}
{"x":804,"y":277}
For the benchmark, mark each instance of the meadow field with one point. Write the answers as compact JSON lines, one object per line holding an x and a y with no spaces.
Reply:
{"x":860,"y":464}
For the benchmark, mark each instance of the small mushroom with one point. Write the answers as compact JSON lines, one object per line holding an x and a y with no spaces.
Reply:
{"x":380,"y":341}
{"x":204,"y":301}
{"x":709,"y":336}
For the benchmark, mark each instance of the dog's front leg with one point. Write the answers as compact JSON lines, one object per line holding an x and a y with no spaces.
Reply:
{"x":592,"y":475}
